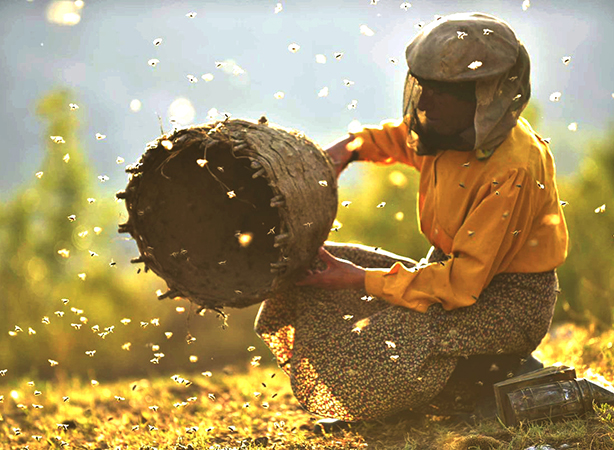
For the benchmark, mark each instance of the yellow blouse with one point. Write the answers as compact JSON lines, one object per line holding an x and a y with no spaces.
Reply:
{"x":494,"y":215}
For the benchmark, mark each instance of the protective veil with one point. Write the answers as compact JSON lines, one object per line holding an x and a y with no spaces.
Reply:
{"x":470,"y":47}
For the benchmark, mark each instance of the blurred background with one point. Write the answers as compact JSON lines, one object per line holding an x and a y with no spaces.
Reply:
{"x":85,"y":85}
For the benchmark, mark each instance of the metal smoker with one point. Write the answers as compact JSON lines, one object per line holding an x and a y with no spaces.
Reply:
{"x":547,"y":394}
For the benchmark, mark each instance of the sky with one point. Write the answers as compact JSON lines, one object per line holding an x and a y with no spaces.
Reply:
{"x":104,"y":58}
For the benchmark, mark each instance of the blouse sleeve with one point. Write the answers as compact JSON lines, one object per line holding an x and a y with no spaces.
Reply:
{"x":493,"y":232}
{"x":385,"y":144}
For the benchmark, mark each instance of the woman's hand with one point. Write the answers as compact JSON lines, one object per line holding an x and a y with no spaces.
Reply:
{"x":339,"y":154}
{"x":339,"y":274}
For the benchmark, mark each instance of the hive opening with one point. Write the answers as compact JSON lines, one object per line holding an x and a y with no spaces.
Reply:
{"x":213,"y":228}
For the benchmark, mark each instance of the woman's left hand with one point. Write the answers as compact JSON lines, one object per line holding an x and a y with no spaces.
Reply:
{"x":339,"y":274}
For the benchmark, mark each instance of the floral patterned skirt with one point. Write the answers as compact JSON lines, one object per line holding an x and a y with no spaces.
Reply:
{"x":354,"y":357}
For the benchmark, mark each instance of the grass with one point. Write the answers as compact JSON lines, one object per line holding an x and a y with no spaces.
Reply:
{"x":255,"y":408}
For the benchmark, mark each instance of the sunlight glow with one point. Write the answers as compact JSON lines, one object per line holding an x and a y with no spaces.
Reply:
{"x":354,"y":127}
{"x":397,"y":178}
{"x":64,"y":12}
{"x":551,"y":219}
{"x":135,"y":105}
{"x":182,"y":111}
{"x":245,"y":239}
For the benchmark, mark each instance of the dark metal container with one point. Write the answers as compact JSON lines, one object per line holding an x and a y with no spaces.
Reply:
{"x":547,"y":394}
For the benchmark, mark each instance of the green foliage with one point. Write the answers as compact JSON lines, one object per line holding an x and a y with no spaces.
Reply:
{"x":587,"y":277}
{"x":532,"y":114}
{"x":392,"y":226}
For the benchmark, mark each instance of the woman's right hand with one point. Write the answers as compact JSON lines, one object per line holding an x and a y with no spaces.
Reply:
{"x":339,"y":154}
{"x":339,"y":274}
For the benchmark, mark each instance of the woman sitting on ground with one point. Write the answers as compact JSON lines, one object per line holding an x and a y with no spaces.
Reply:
{"x":367,"y":334}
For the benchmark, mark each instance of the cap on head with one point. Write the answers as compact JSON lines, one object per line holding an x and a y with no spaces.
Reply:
{"x":463,"y":47}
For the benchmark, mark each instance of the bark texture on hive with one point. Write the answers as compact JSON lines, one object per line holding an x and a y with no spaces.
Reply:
{"x":228,"y":213}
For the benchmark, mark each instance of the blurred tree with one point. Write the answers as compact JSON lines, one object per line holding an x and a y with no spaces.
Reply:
{"x":587,"y":277}
{"x":382,"y":212}
{"x":532,"y":113}
{"x":35,"y":223}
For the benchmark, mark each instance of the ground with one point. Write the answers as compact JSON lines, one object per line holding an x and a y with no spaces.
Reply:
{"x":256,"y":409}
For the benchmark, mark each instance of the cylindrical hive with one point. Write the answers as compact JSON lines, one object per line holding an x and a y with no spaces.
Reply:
{"x":229,"y":212}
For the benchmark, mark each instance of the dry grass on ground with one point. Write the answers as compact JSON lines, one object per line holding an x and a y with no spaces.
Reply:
{"x":256,"y":409}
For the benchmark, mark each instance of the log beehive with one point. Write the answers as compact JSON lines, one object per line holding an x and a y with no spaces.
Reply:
{"x":230,"y":212}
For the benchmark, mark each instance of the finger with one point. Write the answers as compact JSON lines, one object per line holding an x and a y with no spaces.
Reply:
{"x":307,"y":278}
{"x":307,"y":281}
{"x":329,"y":259}
{"x":326,"y":256}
